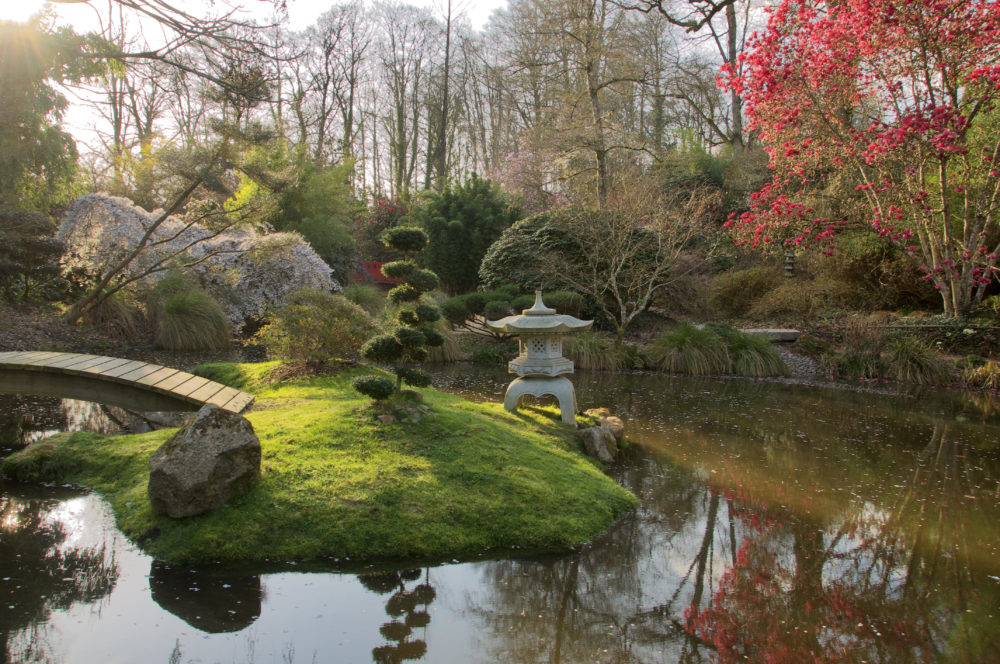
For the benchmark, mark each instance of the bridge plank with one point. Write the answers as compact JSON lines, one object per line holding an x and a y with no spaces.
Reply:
{"x":141,"y":372}
{"x":223,"y":396}
{"x":99,"y":369}
{"x":190,"y":385}
{"x":206,"y":391}
{"x":122,"y":369}
{"x":143,"y":375}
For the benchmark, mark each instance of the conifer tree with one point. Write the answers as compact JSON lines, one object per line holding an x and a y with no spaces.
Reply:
{"x":407,"y":344}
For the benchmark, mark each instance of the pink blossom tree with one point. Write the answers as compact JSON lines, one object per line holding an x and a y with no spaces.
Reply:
{"x":899,"y":96}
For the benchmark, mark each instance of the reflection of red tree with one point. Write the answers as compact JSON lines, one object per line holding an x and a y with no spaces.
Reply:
{"x":774,"y":607}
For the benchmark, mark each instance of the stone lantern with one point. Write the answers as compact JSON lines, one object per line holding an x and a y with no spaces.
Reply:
{"x":540,"y":364}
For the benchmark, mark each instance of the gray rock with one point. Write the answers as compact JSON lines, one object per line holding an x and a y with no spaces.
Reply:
{"x":599,"y":443}
{"x":614,"y":425}
{"x":209,"y":460}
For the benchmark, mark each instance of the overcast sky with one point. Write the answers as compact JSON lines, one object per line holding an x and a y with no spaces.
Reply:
{"x":301,"y":13}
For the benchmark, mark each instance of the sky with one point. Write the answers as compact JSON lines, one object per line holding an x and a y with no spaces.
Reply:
{"x":301,"y":13}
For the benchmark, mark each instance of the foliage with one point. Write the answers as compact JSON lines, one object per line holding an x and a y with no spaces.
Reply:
{"x":985,"y":376}
{"x":383,"y":214}
{"x":466,"y":478}
{"x":39,"y":159}
{"x":315,"y":326}
{"x":461,"y":223}
{"x":910,"y":360}
{"x":29,"y":252}
{"x":734,"y":292}
{"x":495,"y":353}
{"x":469,"y":311}
{"x":859,"y":354}
{"x":593,"y":351}
{"x":689,"y":349}
{"x":244,"y":272}
{"x":565,"y":302}
{"x":407,"y":343}
{"x":117,"y":316}
{"x":366,"y":296}
{"x":374,"y":387}
{"x":801,"y":300}
{"x":449,"y":349}
{"x":618,"y":258}
{"x":905,"y":106}
{"x":185,"y":317}
{"x":750,"y":355}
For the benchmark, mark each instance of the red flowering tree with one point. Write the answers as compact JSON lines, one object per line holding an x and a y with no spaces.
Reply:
{"x":900,"y":96}
{"x":383,"y":213}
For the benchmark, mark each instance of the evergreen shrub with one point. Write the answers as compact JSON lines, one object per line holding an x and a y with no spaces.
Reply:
{"x":315,"y":326}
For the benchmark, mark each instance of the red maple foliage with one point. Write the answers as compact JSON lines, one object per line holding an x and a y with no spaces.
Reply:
{"x":901,"y":97}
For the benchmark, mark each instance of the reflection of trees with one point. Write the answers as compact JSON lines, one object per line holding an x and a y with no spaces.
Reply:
{"x":210,"y":601}
{"x":39,"y":573}
{"x":903,"y":582}
{"x":408,"y":610}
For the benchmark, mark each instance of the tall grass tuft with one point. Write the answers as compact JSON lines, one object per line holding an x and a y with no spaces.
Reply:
{"x":750,"y":355}
{"x":690,"y":350}
{"x":115,"y":316}
{"x":590,"y":350}
{"x":910,"y":360}
{"x":450,"y":350}
{"x":190,"y":320}
{"x":366,"y":296}
{"x":985,"y":376}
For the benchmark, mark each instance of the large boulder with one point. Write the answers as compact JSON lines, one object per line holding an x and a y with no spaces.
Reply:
{"x":209,"y":460}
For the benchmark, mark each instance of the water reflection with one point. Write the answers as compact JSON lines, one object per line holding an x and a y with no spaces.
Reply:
{"x":209,"y":601}
{"x":41,"y":570}
{"x":408,"y":609}
{"x":776,"y":523}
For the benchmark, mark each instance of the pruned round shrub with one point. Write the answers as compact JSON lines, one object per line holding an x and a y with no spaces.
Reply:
{"x":455,"y":310}
{"x":315,"y":326}
{"x":374,"y":387}
{"x":496,"y":309}
{"x":405,"y":239}
{"x":415,"y":377}
{"x":382,"y":348}
{"x":404,"y":293}
{"x":407,"y":317}
{"x":427,"y":313}
{"x":432,"y":338}
{"x":423,"y":280}
{"x":398,"y":269}
{"x":409,"y":337}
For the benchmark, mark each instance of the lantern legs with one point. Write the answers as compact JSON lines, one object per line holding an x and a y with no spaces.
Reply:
{"x":560,"y":388}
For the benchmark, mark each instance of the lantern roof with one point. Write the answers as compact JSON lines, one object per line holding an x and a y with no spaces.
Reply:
{"x":539,"y":319}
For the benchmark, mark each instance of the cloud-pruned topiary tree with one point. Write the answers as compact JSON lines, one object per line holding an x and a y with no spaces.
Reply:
{"x":407,"y":343}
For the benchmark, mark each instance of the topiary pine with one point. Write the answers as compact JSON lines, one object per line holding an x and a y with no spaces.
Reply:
{"x":406,"y":344}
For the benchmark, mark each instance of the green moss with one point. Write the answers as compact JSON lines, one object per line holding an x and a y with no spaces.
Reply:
{"x":466,"y":478}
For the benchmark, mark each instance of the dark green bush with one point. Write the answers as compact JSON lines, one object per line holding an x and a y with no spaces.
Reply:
{"x":496,"y":309}
{"x":382,"y":348}
{"x":404,"y":293}
{"x":455,"y":310}
{"x":427,"y":314}
{"x":432,"y":338}
{"x":374,"y":387}
{"x":409,"y":336}
{"x":407,"y":317}
{"x":405,"y":239}
{"x":398,"y":269}
{"x":423,"y":280}
{"x":415,"y":377}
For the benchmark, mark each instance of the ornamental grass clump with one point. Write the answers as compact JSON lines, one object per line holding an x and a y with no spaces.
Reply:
{"x":590,"y":350}
{"x":910,"y":360}
{"x":412,"y":330}
{"x":315,"y":326}
{"x":185,"y":317}
{"x":750,"y":355}
{"x":690,"y":350}
{"x":985,"y":376}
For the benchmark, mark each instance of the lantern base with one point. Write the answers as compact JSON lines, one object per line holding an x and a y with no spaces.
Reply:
{"x":560,"y":388}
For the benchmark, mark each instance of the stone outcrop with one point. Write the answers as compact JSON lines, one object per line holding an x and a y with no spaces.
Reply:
{"x":209,"y":460}
{"x":599,"y":443}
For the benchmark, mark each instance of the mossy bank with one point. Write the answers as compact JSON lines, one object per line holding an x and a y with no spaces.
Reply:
{"x":336,"y":481}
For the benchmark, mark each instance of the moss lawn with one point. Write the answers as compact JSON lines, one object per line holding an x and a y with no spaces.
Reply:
{"x":464,"y":480}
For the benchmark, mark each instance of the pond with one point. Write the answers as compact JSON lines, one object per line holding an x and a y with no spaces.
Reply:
{"x":804,"y":524}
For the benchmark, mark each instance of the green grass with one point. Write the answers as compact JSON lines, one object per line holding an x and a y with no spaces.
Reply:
{"x":466,"y":479}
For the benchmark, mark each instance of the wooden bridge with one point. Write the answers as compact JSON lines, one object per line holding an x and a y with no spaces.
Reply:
{"x":127,"y":383}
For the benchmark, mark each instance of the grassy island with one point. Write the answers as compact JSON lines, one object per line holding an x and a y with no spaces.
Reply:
{"x":336,"y":481}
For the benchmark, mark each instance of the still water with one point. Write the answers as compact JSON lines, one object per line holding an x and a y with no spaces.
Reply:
{"x":777,"y":521}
